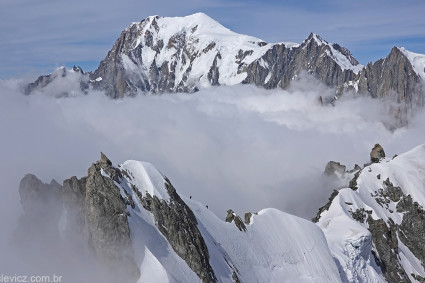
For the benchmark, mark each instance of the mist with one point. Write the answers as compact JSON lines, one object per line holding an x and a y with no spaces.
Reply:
{"x":239,"y":147}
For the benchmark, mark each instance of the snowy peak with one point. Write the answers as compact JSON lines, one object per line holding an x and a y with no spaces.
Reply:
{"x":146,"y":178}
{"x":417,"y":61}
{"x":185,"y":54}
{"x":339,"y":54}
{"x":198,"y":24}
{"x":316,"y":38}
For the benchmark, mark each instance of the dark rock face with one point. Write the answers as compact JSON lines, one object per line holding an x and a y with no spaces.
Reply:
{"x":393,"y":78}
{"x":232,"y":217}
{"x":41,"y":206}
{"x":176,"y":221}
{"x":75,"y":75}
{"x":106,"y":217}
{"x":386,"y":244}
{"x":326,"y":206}
{"x":36,"y":194}
{"x":334,"y":168}
{"x":92,"y":212}
{"x":353,"y":182}
{"x":287,"y":63}
{"x":412,"y":228}
{"x":247,"y":217}
{"x":377,"y":153}
{"x":386,"y":235}
{"x":89,"y":212}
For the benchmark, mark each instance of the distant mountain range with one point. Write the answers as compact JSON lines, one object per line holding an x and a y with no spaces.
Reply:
{"x":185,"y":54}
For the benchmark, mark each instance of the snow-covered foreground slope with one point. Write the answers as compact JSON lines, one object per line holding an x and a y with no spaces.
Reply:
{"x":375,"y":229}
{"x":274,"y":247}
{"x":134,"y":221}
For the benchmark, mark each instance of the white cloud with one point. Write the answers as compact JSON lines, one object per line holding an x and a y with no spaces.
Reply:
{"x":240,"y":147}
{"x":231,"y":147}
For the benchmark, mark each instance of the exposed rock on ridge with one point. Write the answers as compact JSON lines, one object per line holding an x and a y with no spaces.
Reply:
{"x":176,"y":221}
{"x":94,"y":210}
{"x":184,"y":54}
{"x":382,"y":212}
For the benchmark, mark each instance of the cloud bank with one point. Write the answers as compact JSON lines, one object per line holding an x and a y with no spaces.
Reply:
{"x":238,"y":147}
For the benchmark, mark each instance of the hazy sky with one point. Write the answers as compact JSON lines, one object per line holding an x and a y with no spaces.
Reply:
{"x":39,"y":35}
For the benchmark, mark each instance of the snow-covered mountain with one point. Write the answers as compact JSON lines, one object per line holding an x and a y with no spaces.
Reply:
{"x":184,"y":54}
{"x":375,"y":227}
{"x":131,"y":219}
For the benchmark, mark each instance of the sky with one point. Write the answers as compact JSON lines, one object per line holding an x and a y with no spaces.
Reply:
{"x":38,"y":36}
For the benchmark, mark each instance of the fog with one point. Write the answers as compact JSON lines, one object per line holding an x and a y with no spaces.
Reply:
{"x":238,"y":147}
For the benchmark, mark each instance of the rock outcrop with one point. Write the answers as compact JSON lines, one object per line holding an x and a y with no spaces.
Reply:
{"x":388,"y":221}
{"x":232,"y":217}
{"x":176,"y":221}
{"x":89,"y":210}
{"x":334,"y":168}
{"x":392,"y":78}
{"x":377,"y":153}
{"x":94,"y":212}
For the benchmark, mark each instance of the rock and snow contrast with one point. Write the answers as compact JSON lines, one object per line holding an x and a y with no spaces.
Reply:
{"x":375,"y":226}
{"x":184,"y":54}
{"x":132,"y":219}
{"x":132,"y":224}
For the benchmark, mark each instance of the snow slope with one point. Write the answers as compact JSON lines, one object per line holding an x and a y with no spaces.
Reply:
{"x":345,"y":61}
{"x":195,"y":43}
{"x":276,"y":246}
{"x":350,"y":241}
{"x":417,"y":61}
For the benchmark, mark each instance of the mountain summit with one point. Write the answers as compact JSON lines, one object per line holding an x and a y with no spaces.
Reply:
{"x":184,"y":54}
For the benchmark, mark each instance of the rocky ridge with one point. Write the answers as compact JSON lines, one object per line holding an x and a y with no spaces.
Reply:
{"x":374,"y":228}
{"x":184,"y":54}
{"x":132,"y":221}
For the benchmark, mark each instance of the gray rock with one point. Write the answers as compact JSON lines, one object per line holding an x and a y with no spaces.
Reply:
{"x":288,"y":63}
{"x":106,"y":219}
{"x":326,"y":206}
{"x":334,"y":169}
{"x":93,"y":212}
{"x":176,"y":221}
{"x":247,"y":217}
{"x":41,"y":212}
{"x":232,"y":217}
{"x":377,"y":153}
{"x":386,"y":244}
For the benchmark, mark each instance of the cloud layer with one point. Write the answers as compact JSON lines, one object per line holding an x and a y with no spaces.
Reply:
{"x":238,"y":147}
{"x":229,"y":147}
